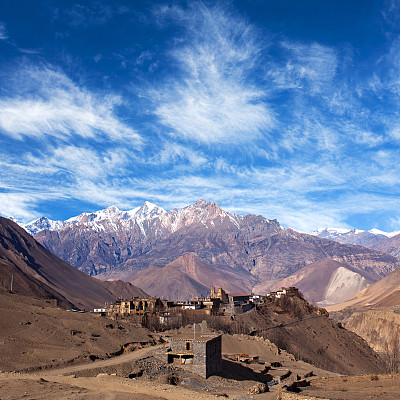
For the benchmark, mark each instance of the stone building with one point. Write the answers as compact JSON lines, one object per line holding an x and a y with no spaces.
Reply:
{"x":136,"y":305}
{"x":291,"y":291}
{"x":201,"y":355}
{"x":220,"y":294}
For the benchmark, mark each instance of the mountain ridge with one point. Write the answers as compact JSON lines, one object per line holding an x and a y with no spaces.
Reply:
{"x":258,"y":252}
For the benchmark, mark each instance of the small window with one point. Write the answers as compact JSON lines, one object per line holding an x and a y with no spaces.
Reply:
{"x":187,"y":345}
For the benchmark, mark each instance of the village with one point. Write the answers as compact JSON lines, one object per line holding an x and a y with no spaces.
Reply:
{"x":218,"y":303}
{"x":199,"y":352}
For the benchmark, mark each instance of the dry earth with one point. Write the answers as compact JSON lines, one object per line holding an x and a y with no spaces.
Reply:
{"x":30,"y":387}
{"x":382,"y":387}
{"x":34,"y":334}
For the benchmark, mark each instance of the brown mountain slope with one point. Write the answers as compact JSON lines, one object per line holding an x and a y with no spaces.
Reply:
{"x":373,"y":314}
{"x":35,"y":334}
{"x":170,"y":283}
{"x":328,"y":282}
{"x":27,"y":259}
{"x":186,"y":277}
{"x":28,"y":285}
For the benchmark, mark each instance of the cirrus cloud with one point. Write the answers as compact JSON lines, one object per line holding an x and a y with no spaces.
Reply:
{"x":214,"y":100}
{"x":45,"y":102}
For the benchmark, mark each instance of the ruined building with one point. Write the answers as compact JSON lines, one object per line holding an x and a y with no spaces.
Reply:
{"x":135,"y":305}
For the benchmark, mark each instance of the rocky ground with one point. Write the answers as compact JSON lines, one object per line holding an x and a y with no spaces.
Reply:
{"x":382,"y":387}
{"x":103,"y":387}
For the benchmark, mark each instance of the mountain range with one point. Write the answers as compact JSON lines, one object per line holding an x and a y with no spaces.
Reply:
{"x":387,"y":242}
{"x":181,"y":253}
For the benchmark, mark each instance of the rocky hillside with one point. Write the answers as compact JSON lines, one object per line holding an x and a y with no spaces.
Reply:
{"x":39,"y":273}
{"x":374,"y":314}
{"x":379,"y":327}
{"x":382,"y":294}
{"x":257,"y":252}
{"x":389,"y":246}
{"x":327,"y":281}
{"x":295,"y":326}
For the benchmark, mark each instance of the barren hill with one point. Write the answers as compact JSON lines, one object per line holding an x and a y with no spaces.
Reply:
{"x":187,"y":277}
{"x":40,"y":273}
{"x":295,"y":326}
{"x":382,"y":294}
{"x":35,"y":334}
{"x":328,"y":282}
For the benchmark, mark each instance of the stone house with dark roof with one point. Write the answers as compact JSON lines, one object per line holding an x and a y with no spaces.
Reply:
{"x":201,"y":355}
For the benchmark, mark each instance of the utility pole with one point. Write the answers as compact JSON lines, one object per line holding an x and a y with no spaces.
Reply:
{"x":280,"y":390}
{"x":12,"y":281}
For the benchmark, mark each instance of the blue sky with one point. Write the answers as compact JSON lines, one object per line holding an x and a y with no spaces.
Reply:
{"x":286,"y":109}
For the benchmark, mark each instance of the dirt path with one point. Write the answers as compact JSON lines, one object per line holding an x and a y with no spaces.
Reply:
{"x":14,"y":387}
{"x":150,"y":389}
{"x":122,"y":359}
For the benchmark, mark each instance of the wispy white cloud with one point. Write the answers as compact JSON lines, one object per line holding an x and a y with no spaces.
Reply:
{"x":79,"y":163}
{"x":391,"y":13}
{"x":176,"y":154}
{"x":214,"y":99}
{"x":310,"y":142}
{"x":310,"y":67}
{"x":3,"y":31}
{"x":45,"y":102}
{"x":89,"y":13}
{"x":22,"y":204}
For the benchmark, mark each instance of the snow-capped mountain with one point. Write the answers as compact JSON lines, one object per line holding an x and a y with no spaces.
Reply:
{"x":332,"y":233}
{"x":110,"y":218}
{"x":41,"y":224}
{"x":355,"y":236}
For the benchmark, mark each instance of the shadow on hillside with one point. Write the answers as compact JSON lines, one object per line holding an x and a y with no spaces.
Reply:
{"x":233,"y":370}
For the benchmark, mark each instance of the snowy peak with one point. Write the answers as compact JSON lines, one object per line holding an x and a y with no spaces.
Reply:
{"x":387,"y":234}
{"x":202,"y":212}
{"x":328,"y":233}
{"x":146,"y":211}
{"x":332,"y":233}
{"x":110,"y":218}
{"x":371,"y":238}
{"x":41,"y":224}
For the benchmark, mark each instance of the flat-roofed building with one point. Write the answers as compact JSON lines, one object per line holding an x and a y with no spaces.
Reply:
{"x":201,"y":355}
